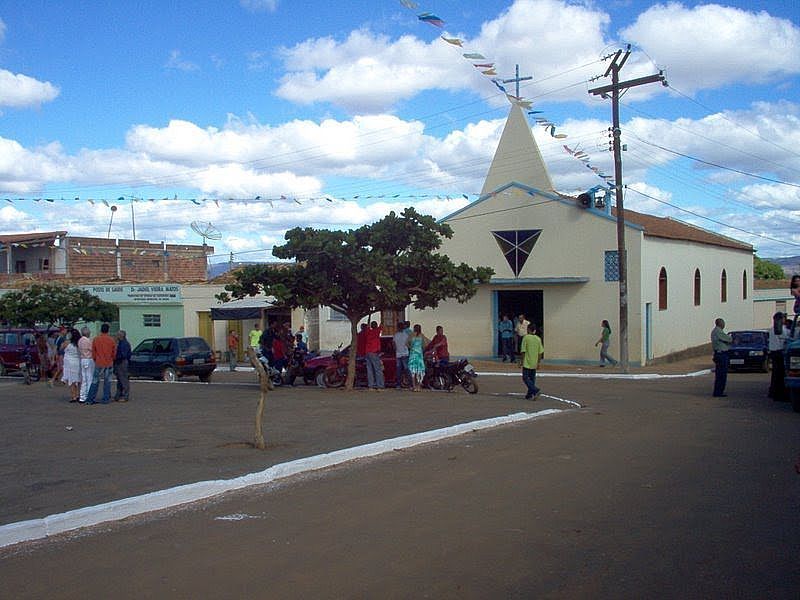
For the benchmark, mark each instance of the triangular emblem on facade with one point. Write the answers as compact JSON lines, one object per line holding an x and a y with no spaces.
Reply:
{"x":517,"y":246}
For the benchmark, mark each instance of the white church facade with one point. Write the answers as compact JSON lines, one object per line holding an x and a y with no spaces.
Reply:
{"x":555,"y":260}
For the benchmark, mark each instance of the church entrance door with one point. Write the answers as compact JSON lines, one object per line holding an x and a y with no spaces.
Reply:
{"x":515,"y":302}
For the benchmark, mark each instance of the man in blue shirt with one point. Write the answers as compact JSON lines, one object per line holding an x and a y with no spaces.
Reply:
{"x":505,"y":328}
{"x":121,"y":359}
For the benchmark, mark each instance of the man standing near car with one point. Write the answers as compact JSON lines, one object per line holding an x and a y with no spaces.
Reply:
{"x":401,"y":354}
{"x":87,"y":363}
{"x":720,"y":344}
{"x":121,"y":358}
{"x":372,"y":349}
{"x":104,"y":350}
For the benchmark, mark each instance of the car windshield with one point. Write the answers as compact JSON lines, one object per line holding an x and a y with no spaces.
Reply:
{"x":748,"y":338}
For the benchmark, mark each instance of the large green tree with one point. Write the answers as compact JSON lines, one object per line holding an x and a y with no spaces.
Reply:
{"x":766,"y":269}
{"x":52,"y":304}
{"x":389,"y":264}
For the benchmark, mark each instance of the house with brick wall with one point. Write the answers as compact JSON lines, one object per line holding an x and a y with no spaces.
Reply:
{"x":56,"y":255}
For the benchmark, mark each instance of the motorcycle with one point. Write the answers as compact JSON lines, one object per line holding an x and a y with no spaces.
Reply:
{"x":461,"y":373}
{"x":296,"y":366}
{"x":30,"y":371}
{"x":336,"y":373}
{"x":437,"y":376}
{"x":275,"y":375}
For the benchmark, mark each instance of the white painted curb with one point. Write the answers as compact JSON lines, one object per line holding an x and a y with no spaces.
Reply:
{"x":35,"y":529}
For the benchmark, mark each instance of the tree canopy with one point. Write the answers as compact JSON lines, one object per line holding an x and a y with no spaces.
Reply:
{"x":389,"y":264}
{"x":52,"y":304}
{"x":766,"y":269}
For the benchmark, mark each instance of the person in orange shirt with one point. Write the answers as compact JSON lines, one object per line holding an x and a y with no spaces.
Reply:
{"x":104,"y":350}
{"x":233,"y":348}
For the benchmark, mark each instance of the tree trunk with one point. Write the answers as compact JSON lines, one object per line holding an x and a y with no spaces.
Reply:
{"x":350,"y":382}
{"x":265,"y":385}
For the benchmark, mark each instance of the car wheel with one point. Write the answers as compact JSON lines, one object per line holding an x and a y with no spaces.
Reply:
{"x":333,"y":378}
{"x":3,"y":370}
{"x":169,"y":374}
{"x":320,"y":378}
{"x":315,"y":377}
{"x":205,"y":377}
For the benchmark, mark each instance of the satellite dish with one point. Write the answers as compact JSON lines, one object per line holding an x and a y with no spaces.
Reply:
{"x":206,"y":230}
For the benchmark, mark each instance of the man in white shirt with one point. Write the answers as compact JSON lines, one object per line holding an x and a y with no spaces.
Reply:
{"x":521,"y":329}
{"x":87,"y":363}
{"x":401,"y":353}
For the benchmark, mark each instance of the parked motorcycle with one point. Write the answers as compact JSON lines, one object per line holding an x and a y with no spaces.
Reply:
{"x":459,"y":373}
{"x":336,"y":373}
{"x":30,"y":371}
{"x":275,"y":375}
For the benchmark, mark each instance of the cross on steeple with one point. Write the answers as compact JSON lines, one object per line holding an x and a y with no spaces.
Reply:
{"x":516,"y":79}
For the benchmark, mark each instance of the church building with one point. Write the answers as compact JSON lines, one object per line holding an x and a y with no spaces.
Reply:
{"x":555,"y":260}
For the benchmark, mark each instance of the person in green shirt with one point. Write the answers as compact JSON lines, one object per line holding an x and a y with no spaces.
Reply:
{"x":532,"y":351}
{"x":603,"y":342}
{"x":254,"y":336}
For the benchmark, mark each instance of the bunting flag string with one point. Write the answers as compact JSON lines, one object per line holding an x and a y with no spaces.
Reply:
{"x":283,"y":198}
{"x":488,"y":69}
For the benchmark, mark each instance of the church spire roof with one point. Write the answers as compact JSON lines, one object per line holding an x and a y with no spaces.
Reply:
{"x":517,"y":157}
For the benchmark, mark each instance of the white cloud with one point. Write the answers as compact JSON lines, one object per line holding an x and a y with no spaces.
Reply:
{"x":709,"y":46}
{"x":176,"y":62}
{"x":18,"y":91}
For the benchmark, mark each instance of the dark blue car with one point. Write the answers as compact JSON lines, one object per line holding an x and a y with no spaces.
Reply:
{"x":749,"y":350}
{"x":169,"y":358}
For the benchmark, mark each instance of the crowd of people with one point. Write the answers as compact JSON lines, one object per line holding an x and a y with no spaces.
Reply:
{"x":81,"y":362}
{"x":276,"y":343}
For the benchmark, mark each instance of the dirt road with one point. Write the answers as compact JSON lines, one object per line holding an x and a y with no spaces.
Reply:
{"x":653,"y":490}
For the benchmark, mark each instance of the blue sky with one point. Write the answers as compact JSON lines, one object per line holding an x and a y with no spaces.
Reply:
{"x":308,"y":105}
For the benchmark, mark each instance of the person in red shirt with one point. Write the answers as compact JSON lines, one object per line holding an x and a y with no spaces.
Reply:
{"x":361,"y":341}
{"x":438,"y":347}
{"x":372,"y":348}
{"x":278,"y":352}
{"x":104,"y":350}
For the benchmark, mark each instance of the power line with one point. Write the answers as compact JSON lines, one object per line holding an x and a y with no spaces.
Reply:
{"x":699,"y":216}
{"x":718,"y":166}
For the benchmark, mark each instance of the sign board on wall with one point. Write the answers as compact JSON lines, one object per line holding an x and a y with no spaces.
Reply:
{"x":136,"y":294}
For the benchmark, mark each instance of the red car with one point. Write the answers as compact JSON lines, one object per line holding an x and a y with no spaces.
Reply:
{"x":14,"y":345}
{"x":314,"y":368}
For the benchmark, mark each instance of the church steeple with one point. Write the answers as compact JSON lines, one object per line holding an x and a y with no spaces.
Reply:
{"x":517,"y":157}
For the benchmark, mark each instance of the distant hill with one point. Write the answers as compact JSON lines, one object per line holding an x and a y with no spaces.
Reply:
{"x":790,"y":264}
{"x":217,"y":269}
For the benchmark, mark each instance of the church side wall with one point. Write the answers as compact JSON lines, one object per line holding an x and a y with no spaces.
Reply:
{"x":683,"y":324}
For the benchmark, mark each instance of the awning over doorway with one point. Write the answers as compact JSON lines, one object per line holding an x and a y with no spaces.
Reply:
{"x":239,"y":310}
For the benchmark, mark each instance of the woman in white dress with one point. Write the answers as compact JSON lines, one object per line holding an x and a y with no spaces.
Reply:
{"x":72,"y":365}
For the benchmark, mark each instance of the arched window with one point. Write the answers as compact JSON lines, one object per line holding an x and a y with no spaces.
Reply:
{"x":697,"y":287}
{"x":744,"y":285}
{"x":723,"y":287}
{"x":662,"y":289}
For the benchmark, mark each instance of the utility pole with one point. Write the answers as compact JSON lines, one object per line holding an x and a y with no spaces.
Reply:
{"x":616,"y":86}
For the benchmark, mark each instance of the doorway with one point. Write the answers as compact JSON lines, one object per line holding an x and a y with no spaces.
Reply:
{"x":513,"y":303}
